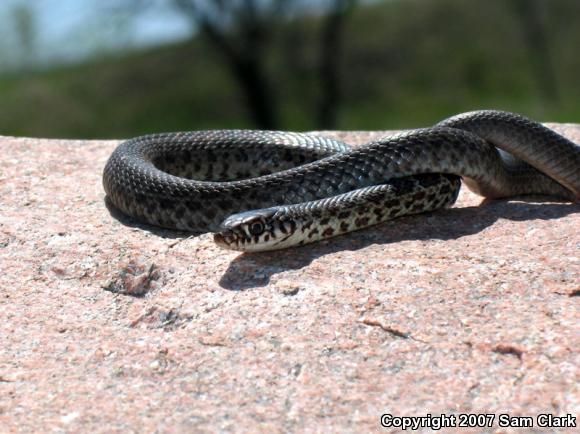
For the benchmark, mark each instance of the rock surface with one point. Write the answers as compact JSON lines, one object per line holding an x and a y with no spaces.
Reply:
{"x":108,"y":327}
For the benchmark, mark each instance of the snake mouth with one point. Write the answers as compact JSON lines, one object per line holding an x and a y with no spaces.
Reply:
{"x":234,"y":239}
{"x":226,"y":239}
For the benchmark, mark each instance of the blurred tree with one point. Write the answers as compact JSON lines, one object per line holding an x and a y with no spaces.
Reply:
{"x":242,"y":32}
{"x":529,"y":14}
{"x":25,"y":32}
{"x":331,"y":50}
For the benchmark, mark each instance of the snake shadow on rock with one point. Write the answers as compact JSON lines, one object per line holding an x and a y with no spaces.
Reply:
{"x":253,"y":270}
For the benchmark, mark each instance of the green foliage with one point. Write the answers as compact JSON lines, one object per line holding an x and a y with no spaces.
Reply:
{"x":409,"y":63}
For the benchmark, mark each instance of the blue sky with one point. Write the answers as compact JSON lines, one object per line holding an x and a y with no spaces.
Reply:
{"x":69,"y":30}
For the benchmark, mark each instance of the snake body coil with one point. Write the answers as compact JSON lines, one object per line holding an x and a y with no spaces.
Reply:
{"x":266,"y":190}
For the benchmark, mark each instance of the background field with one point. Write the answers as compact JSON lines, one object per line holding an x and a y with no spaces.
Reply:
{"x":406,"y":63}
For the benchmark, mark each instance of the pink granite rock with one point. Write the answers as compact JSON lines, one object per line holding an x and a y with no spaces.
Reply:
{"x":107,"y":327}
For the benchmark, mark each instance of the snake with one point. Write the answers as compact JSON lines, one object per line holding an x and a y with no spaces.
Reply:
{"x":265,"y":190}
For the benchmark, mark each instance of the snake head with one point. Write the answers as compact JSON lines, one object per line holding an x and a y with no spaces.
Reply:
{"x":257,"y":230}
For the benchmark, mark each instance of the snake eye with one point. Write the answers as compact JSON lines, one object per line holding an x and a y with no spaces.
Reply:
{"x":256,"y":228}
